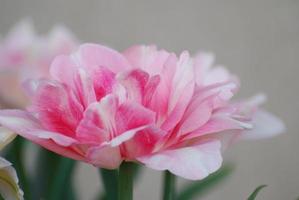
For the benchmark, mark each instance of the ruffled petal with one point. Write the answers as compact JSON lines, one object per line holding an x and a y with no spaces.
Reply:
{"x":181,"y":91}
{"x":24,"y":124}
{"x":265,"y":125}
{"x":148,"y":58}
{"x":6,"y":136}
{"x":105,"y":156}
{"x":92,"y":56}
{"x":57,"y":107}
{"x":9,"y":182}
{"x":134,"y":82}
{"x":194,"y":162}
{"x":131,"y":115}
{"x":143,"y":142}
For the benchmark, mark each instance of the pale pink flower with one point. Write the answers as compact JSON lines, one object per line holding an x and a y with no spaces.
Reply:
{"x":9,"y":182}
{"x":25,"y":54}
{"x":144,"y":105}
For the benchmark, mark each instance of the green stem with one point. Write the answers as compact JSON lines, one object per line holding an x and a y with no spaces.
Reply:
{"x":125,"y":181}
{"x":109,"y":178}
{"x":64,"y":171}
{"x":169,"y":186}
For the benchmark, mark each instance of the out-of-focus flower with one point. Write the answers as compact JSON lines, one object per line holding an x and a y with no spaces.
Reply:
{"x":6,"y":136}
{"x":9,"y":188}
{"x":25,"y":54}
{"x":144,"y":105}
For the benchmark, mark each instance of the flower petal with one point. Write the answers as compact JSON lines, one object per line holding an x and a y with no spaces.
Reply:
{"x":181,"y":91}
{"x":194,"y":162}
{"x":143,"y":142}
{"x":134,"y":82}
{"x":6,"y":136}
{"x":57,"y":107}
{"x":63,"y":69}
{"x":147,"y":58}
{"x":265,"y":125}
{"x":24,"y":124}
{"x":132,"y":115}
{"x":105,"y":156}
{"x":92,"y":56}
{"x":9,"y":183}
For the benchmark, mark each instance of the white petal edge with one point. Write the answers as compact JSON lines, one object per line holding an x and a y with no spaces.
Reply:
{"x":9,"y":187}
{"x":194,"y":162}
{"x":265,"y":125}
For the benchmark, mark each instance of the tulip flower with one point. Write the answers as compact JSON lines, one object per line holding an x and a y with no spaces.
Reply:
{"x":25,"y":54}
{"x":9,"y":188}
{"x":143,"y":105}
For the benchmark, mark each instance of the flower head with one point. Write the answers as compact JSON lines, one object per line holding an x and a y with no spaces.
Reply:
{"x":9,"y":182}
{"x":145,"y":105}
{"x":25,"y":54}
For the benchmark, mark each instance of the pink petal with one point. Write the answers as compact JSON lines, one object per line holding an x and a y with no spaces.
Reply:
{"x":265,"y":125}
{"x":202,"y":63}
{"x":181,"y":91}
{"x":217,"y":75}
{"x":104,"y":156}
{"x":109,"y":154}
{"x":196,"y":115}
{"x":21,"y":35}
{"x":160,"y":97}
{"x":90,"y":128}
{"x":61,"y":40}
{"x":150,"y":89}
{"x":92,"y":56}
{"x":147,"y":58}
{"x":194,"y":162}
{"x":131,"y":115}
{"x":184,"y":76}
{"x":83,"y":87}
{"x":178,"y":111}
{"x":24,"y":124}
{"x":134,"y":82}
{"x":125,"y":136}
{"x":103,"y":81}
{"x":206,"y":75}
{"x":143,"y":142}
{"x":99,"y":119}
{"x":63,"y":69}
{"x":57,"y":108}
{"x":216,"y":124}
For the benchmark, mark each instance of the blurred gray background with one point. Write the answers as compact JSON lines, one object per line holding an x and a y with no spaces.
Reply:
{"x":257,"y":39}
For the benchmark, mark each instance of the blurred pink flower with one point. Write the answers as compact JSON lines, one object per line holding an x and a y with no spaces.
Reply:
{"x":25,"y":54}
{"x":144,"y":105}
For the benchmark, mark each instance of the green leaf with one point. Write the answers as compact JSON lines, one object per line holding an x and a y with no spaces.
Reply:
{"x":199,"y":188}
{"x":255,"y":192}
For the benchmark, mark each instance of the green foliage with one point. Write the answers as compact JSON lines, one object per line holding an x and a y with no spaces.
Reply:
{"x":255,"y":192}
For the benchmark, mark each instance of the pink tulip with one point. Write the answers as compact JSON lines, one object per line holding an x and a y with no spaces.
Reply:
{"x":25,"y":54}
{"x":144,"y":105}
